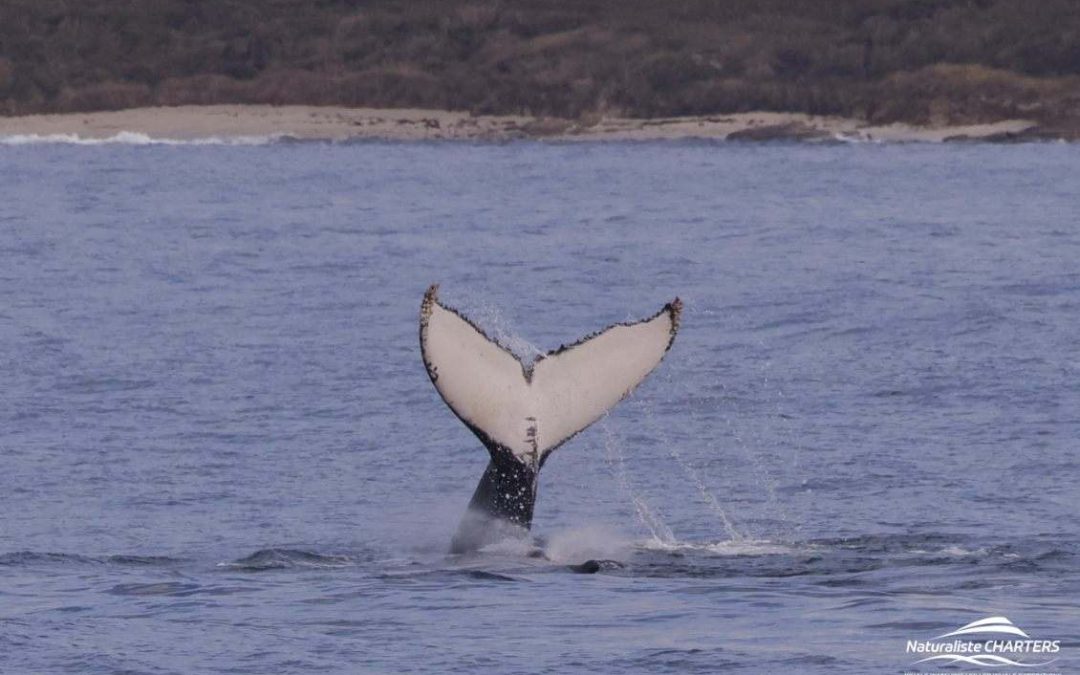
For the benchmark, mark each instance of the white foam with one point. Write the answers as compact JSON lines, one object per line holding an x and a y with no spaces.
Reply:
{"x":959,"y":551}
{"x":729,"y":547}
{"x":511,"y":547}
{"x":135,"y":138}
{"x":855,"y":137}
{"x":585,"y":543}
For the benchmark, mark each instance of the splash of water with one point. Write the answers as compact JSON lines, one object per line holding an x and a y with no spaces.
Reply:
{"x":764,"y":476}
{"x":729,"y":547}
{"x":496,"y":325}
{"x":513,"y":547}
{"x":748,"y":442}
{"x":695,"y":476}
{"x":590,"y":542}
{"x":648,"y":517}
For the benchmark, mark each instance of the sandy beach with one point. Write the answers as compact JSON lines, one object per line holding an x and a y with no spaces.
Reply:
{"x":240,"y":122}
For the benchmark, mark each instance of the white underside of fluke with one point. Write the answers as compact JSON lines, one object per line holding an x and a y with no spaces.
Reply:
{"x":532,"y":410}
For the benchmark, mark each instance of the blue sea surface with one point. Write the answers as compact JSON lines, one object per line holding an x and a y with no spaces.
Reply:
{"x":220,"y":453}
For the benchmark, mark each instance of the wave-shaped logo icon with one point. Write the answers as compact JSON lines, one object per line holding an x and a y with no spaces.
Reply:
{"x":991,"y":624}
{"x":983,"y":660}
{"x":1000,"y":643}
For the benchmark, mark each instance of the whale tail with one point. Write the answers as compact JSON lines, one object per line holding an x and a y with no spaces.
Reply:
{"x":522,"y":412}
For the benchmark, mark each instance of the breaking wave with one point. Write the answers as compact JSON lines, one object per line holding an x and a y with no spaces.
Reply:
{"x":138,"y":138}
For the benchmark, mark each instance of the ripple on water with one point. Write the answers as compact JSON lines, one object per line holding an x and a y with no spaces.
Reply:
{"x":286,"y":558}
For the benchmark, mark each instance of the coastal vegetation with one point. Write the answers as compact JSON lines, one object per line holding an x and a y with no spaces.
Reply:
{"x":916,"y":61}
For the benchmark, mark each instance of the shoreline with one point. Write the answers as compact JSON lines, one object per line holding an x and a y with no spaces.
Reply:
{"x":252,"y":123}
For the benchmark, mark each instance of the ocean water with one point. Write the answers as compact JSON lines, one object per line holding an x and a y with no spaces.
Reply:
{"x":219,"y":451}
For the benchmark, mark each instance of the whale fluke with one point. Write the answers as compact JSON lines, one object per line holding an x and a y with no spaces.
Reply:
{"x":522,"y":412}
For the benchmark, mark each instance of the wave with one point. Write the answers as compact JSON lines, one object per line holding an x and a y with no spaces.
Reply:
{"x":449,"y":575}
{"x":139,"y":138}
{"x":286,"y":558}
{"x":28,"y":558}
